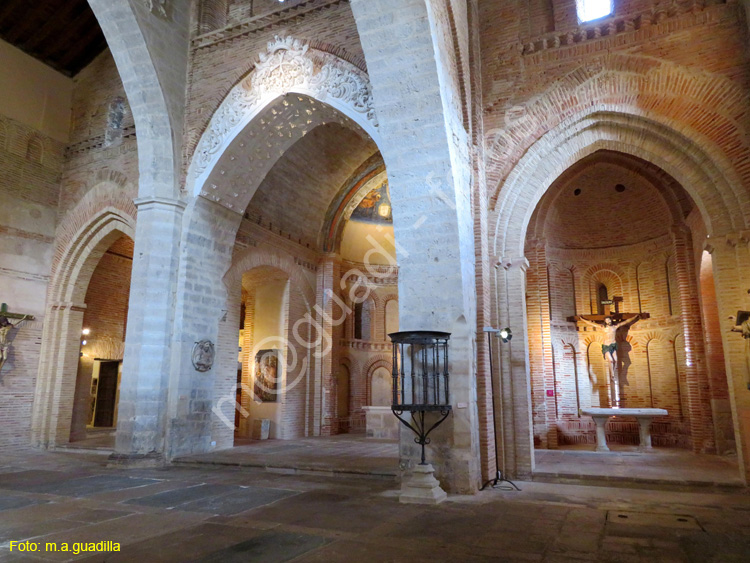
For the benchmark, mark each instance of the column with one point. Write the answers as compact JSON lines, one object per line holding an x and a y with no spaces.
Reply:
{"x":144,"y":386}
{"x":698,"y":391}
{"x":427,"y":155}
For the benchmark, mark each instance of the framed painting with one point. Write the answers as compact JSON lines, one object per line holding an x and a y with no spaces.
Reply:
{"x":266,"y":381}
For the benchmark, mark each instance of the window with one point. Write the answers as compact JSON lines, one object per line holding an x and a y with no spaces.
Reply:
{"x":589,"y":10}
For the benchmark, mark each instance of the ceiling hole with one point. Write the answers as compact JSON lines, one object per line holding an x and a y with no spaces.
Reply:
{"x":682,"y":519}
{"x":621,"y":516}
{"x":577,"y":191}
{"x":619,"y":188}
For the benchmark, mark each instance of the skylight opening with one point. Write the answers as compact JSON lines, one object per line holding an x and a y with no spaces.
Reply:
{"x":590,"y":10}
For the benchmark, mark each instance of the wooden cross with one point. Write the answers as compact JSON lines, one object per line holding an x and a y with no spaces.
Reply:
{"x":617,"y":316}
{"x":8,"y":315}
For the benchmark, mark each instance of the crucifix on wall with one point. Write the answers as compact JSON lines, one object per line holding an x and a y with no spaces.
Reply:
{"x":5,"y":327}
{"x":610,"y":322}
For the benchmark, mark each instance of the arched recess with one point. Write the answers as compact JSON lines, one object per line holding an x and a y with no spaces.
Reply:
{"x":372,"y":367}
{"x":290,"y":92}
{"x":705,"y":174}
{"x":75,"y":261}
{"x":300,"y":302}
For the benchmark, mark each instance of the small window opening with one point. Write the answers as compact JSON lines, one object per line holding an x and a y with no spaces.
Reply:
{"x":590,"y":10}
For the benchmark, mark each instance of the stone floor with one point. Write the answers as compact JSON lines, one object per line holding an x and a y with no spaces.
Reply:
{"x":222,"y":513}
{"x":626,"y":464}
{"x":345,"y":453}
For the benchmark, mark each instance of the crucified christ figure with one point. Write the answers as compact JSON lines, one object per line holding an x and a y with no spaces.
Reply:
{"x":5,"y":328}
{"x":609,"y":349}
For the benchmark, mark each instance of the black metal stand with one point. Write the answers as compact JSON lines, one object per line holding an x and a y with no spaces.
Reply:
{"x":499,"y":475}
{"x":418,"y":426}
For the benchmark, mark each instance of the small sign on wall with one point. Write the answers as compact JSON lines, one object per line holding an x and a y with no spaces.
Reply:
{"x":550,"y":393}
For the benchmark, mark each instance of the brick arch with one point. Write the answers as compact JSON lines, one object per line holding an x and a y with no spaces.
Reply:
{"x":268,"y":256}
{"x":35,"y":148}
{"x":369,"y":369}
{"x":75,"y":261}
{"x":348,"y":197}
{"x":672,"y":151}
{"x":642,"y":87}
{"x":112,"y":193}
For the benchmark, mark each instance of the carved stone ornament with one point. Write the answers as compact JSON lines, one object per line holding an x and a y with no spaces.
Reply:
{"x":287,"y":66}
{"x":204,"y":353}
{"x":158,"y":7}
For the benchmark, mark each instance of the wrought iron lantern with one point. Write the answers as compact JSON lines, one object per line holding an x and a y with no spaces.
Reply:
{"x":421,"y":381}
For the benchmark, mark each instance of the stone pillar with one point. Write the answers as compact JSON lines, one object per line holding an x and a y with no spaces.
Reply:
{"x":146,"y":366}
{"x":698,"y":391}
{"x":54,"y":395}
{"x":731,"y":262}
{"x":426,"y":152}
{"x":515,"y":380}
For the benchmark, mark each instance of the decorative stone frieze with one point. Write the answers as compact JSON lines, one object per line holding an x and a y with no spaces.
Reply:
{"x":288,"y":65}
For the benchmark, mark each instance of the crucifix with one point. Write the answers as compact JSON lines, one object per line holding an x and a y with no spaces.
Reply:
{"x":5,"y":327}
{"x":611,"y":322}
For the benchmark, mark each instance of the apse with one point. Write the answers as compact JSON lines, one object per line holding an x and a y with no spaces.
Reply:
{"x":616,"y":236}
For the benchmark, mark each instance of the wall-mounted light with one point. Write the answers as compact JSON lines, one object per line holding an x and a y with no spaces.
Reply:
{"x":86,"y":331}
{"x":505,"y":334}
{"x":83,"y":343}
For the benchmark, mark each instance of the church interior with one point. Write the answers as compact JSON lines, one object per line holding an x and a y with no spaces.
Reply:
{"x":216,"y":214}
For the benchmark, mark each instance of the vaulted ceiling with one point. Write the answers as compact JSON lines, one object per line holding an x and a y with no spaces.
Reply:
{"x":63,"y":34}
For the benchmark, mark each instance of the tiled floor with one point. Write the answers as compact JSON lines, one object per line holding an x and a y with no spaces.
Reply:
{"x":226,"y":514}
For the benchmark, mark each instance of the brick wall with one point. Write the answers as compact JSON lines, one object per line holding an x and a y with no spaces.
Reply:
{"x":30,"y":166}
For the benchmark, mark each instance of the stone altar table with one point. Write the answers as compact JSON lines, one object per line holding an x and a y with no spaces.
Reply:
{"x":643,"y":416}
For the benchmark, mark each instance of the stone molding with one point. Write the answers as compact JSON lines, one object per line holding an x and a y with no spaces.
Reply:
{"x":288,"y":65}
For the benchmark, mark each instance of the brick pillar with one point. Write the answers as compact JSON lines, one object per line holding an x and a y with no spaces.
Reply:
{"x":426,"y":152}
{"x":515,"y":381}
{"x":325,"y":391}
{"x":540,"y":345}
{"x":698,"y":390}
{"x":248,"y":362}
{"x":731,"y":262}
{"x":144,"y":386}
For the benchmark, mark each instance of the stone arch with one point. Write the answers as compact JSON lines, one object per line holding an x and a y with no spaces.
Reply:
{"x":154,"y":113}
{"x":58,"y":365}
{"x":289,"y":66}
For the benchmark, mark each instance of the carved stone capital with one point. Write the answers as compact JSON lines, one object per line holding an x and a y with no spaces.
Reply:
{"x":519,"y":262}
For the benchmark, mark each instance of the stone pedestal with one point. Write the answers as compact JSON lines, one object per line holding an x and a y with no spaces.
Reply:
{"x":381,"y":423}
{"x":421,"y":487}
{"x":261,"y":428}
{"x":642,"y":416}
